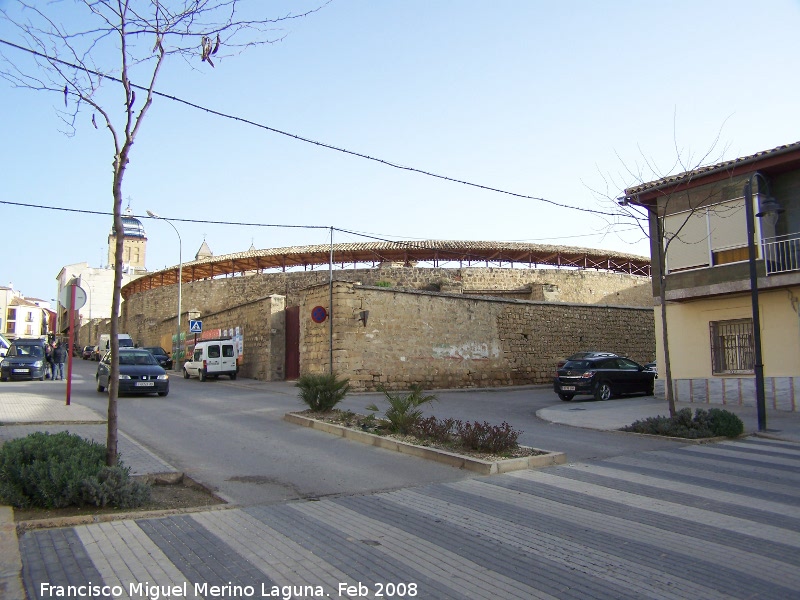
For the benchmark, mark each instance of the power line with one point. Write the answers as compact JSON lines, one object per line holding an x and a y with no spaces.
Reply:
{"x":308,"y":140}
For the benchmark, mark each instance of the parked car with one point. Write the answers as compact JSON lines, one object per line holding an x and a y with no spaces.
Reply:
{"x":139,"y":373}
{"x":212,"y":358}
{"x":162,"y":356}
{"x":585,"y":354}
{"x":23,"y":360}
{"x":602,"y":377}
{"x":87,"y":352}
{"x":651,"y":366}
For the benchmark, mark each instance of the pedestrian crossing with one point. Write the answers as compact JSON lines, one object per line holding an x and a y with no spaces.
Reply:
{"x":707,"y":521}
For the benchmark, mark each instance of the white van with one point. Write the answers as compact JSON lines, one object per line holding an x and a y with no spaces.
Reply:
{"x":212,"y":358}
{"x":4,"y":345}
{"x":104,"y":344}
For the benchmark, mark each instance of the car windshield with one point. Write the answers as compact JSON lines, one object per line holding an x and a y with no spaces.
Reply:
{"x":136,"y":358}
{"x":159,"y":351}
{"x":35,"y":351}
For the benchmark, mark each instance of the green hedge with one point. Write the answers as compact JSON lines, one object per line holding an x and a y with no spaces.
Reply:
{"x":56,"y":470}
{"x":703,"y":424}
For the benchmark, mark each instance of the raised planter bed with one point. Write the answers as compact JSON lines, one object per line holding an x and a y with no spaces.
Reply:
{"x":460,"y":461}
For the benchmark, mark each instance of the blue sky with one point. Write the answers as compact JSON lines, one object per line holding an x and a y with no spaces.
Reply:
{"x":546,"y":99}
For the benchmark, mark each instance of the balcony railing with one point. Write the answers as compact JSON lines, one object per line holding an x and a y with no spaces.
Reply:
{"x":782,"y":253}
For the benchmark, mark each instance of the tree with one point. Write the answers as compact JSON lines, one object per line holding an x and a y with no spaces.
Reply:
{"x":671,"y":193}
{"x":91,"y":52}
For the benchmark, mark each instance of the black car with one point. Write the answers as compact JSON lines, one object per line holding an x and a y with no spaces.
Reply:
{"x":602,"y":377}
{"x":87,"y":352}
{"x":24,"y":360}
{"x":161,"y":356}
{"x":139,"y":373}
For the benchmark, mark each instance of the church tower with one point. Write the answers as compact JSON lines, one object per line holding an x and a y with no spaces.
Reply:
{"x":134,"y":243}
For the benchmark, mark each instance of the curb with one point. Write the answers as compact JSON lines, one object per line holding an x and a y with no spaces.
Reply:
{"x":459,"y":461}
{"x":10,"y":559}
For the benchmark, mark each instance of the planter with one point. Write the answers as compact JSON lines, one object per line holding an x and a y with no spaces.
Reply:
{"x":460,"y":461}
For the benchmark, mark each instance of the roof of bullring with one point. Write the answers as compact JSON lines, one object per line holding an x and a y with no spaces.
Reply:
{"x":727,"y":168}
{"x":407,"y":253}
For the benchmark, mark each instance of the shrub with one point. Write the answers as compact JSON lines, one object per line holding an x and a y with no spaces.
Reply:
{"x":725,"y":423}
{"x":437,"y":430}
{"x":404,"y":412}
{"x":53,"y":471}
{"x":703,"y":424}
{"x":112,"y":486}
{"x":322,"y":392}
{"x":483,"y":437}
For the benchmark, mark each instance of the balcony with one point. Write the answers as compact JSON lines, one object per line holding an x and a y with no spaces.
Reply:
{"x":782,"y":253}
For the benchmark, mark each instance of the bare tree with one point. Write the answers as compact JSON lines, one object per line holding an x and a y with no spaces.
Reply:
{"x":672,"y":195}
{"x":90,"y":52}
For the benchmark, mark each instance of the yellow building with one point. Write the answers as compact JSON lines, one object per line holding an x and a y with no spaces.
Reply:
{"x":701,"y":276}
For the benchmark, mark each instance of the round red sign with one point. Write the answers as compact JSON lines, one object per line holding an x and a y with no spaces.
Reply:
{"x":319,"y":314}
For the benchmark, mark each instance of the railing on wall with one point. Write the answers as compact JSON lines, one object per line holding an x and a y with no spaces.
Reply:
{"x":782,"y":253}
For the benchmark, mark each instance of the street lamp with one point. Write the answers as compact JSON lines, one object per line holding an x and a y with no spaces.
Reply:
{"x":767,"y":207}
{"x":176,"y":350}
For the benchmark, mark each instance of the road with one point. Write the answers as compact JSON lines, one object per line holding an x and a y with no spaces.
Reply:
{"x":231,"y":436}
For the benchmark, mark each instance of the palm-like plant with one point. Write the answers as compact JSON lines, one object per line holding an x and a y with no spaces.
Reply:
{"x":404,"y":412}
{"x":322,"y":392}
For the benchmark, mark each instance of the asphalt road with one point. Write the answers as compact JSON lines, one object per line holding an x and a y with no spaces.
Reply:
{"x":231,"y":436}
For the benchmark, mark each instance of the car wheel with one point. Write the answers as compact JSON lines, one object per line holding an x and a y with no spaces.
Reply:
{"x":100,"y":388}
{"x":163,"y":393}
{"x":233,"y":376}
{"x":602,"y":392}
{"x":201,"y":374}
{"x":185,"y":373}
{"x":41,"y":378}
{"x":566,"y":397}
{"x":651,"y":390}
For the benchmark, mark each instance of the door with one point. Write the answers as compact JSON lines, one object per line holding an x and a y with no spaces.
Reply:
{"x":228,"y":361}
{"x":292,"y":366}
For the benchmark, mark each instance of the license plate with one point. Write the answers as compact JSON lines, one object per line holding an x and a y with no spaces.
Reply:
{"x":567,"y":388}
{"x":20,"y":370}
{"x":144,"y":384}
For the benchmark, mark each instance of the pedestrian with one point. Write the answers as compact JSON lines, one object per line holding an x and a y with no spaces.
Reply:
{"x":59,"y":356}
{"x":49,"y":366}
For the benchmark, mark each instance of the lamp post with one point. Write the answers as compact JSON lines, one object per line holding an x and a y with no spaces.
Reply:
{"x":177,"y":348}
{"x":769,"y":206}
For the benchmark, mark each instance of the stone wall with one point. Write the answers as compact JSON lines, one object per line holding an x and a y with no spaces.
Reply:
{"x":444,"y":340}
{"x":149,"y":316}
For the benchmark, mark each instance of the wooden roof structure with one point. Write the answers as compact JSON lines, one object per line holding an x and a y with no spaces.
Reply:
{"x":438,"y":253}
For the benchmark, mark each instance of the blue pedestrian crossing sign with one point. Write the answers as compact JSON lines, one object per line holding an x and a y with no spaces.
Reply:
{"x":195,"y":326}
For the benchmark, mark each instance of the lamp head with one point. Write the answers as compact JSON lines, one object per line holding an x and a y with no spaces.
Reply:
{"x":150,"y":213}
{"x":769,"y":206}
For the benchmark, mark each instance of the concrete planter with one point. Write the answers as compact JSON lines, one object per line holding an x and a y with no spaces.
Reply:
{"x":484,"y":467}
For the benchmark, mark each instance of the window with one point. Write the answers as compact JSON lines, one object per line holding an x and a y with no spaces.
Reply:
{"x":213,"y":351}
{"x":227,"y":350}
{"x":29,"y":317}
{"x":732,"y":346}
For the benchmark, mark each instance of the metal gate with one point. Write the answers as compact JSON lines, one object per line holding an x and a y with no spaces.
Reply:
{"x":292,"y":368}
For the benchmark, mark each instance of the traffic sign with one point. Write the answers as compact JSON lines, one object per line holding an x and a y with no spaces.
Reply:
{"x":195,"y":326}
{"x":65,"y":296}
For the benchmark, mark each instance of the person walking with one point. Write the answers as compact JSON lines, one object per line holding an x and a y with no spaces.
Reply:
{"x":59,"y":356}
{"x":50,"y":371}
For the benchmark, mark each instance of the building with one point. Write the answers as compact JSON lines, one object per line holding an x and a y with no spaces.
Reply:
{"x":698,"y":218}
{"x":94,"y":317}
{"x":134,"y":244}
{"x":22,"y":317}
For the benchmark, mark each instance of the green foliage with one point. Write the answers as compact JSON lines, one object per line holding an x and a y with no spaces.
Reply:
{"x":58,"y":470}
{"x":404,"y":412}
{"x":112,"y":486}
{"x":383,"y":284}
{"x":703,"y":424}
{"x":322,"y":392}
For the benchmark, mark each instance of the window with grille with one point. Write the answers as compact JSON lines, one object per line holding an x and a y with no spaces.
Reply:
{"x":732,"y":346}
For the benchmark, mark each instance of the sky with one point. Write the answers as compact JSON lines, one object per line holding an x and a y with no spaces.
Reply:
{"x":569,"y":101}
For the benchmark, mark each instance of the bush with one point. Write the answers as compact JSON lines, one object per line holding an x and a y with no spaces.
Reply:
{"x":54,"y":471}
{"x":322,"y":392}
{"x":703,"y":424}
{"x":482,"y":437}
{"x":404,"y":413}
{"x":437,"y":430}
